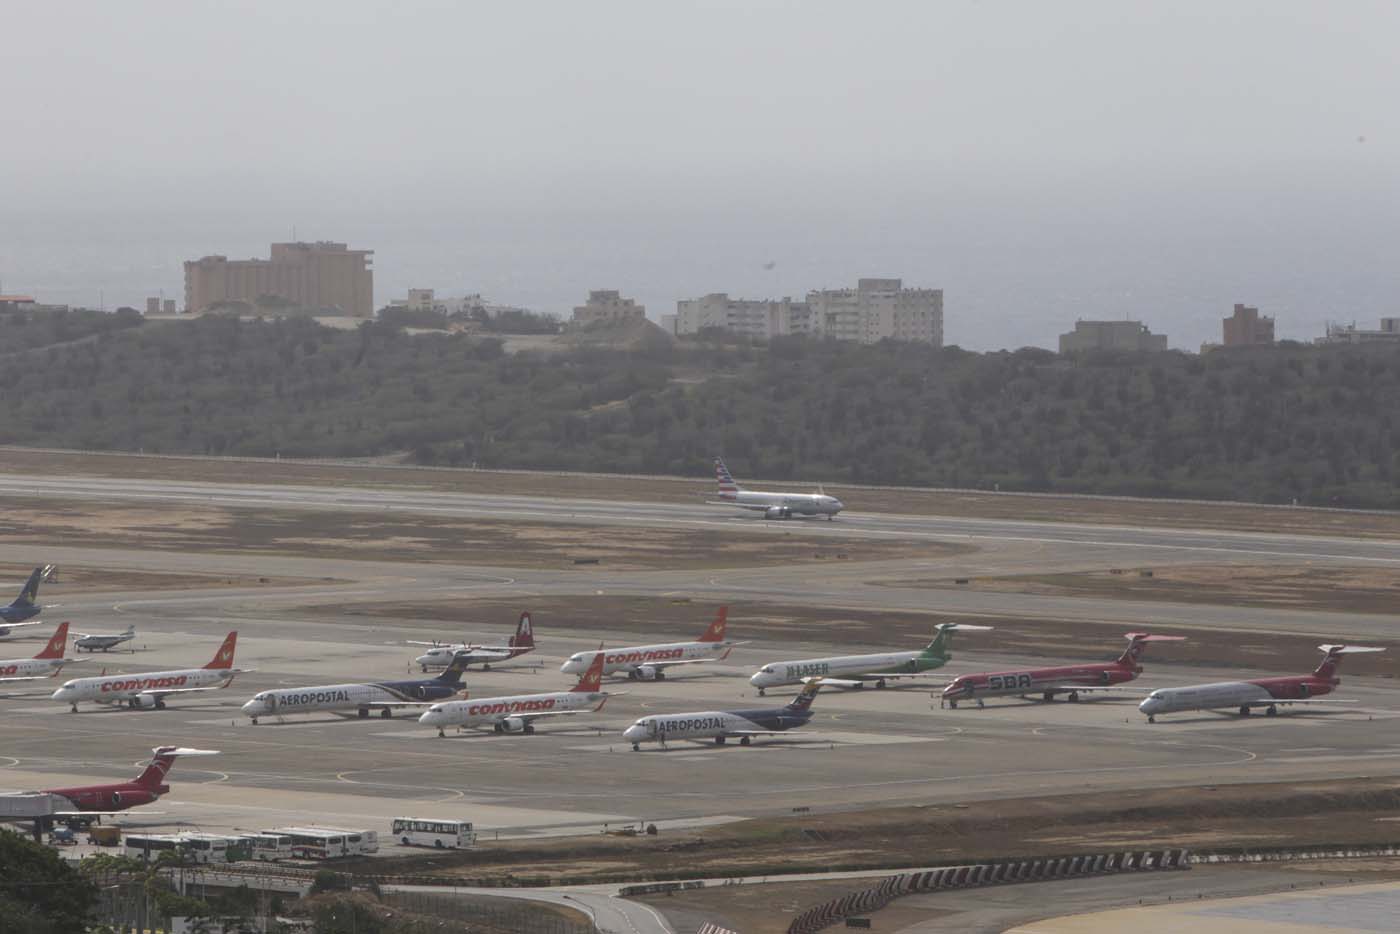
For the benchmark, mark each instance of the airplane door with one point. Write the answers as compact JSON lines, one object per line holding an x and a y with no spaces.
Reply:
{"x":1303,"y":689}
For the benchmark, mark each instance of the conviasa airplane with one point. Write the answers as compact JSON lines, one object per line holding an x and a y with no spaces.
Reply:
{"x":518,"y":713}
{"x":47,"y":664}
{"x":772,"y":505}
{"x":150,"y":689}
{"x":649,"y":662}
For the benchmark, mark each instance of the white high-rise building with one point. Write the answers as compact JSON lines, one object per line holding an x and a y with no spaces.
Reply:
{"x":762,"y":319}
{"x":877,"y":309}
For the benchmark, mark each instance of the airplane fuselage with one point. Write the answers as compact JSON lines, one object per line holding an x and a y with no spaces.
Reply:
{"x":30,"y":667}
{"x":1261,"y":692}
{"x":115,"y":797}
{"x":784,"y":505}
{"x":355,"y":696}
{"x":714,"y":724}
{"x":632,"y":658}
{"x":1048,"y":681}
{"x":100,"y":643}
{"x":490,"y":711}
{"x":117,"y":689}
{"x":776,"y":674}
{"x":17,"y":614}
{"x":441,"y":656}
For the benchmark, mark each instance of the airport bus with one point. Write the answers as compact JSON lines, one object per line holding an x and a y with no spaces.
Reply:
{"x":328,"y":842}
{"x":192,"y":847}
{"x":443,"y":834}
{"x":270,"y":846}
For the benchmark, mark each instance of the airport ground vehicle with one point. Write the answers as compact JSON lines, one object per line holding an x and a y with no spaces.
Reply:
{"x":442,"y":834}
{"x":329,"y":842}
{"x":270,"y":846}
{"x":202,"y":848}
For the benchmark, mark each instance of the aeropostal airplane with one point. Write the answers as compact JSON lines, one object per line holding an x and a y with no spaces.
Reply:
{"x":1268,"y":693}
{"x":518,"y":713}
{"x":150,"y":689}
{"x":383,"y":696}
{"x":441,"y":654}
{"x":1047,"y":682}
{"x":118,"y":796}
{"x":92,"y":642}
{"x":25,"y":606}
{"x":773,"y":505}
{"x":649,"y":662}
{"x":720,"y":725}
{"x":856,"y":670}
{"x":47,"y":664}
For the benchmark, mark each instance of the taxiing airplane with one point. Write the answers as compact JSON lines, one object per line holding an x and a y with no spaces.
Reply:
{"x":518,"y":713}
{"x":150,"y":689}
{"x":25,"y":606}
{"x":382,"y":696}
{"x":1268,"y":693}
{"x":1072,"y":680}
{"x":118,"y":796}
{"x":773,"y":505}
{"x":46,"y":664}
{"x":92,"y":642}
{"x":856,"y":670}
{"x":720,"y":725}
{"x":649,"y":662}
{"x":441,"y":654}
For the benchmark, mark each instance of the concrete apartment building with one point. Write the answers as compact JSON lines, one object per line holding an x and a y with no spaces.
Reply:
{"x":877,"y":309}
{"x":1246,"y":327}
{"x":1111,"y":335}
{"x":323,"y":277}
{"x":762,"y":319}
{"x":1389,"y":332}
{"x":607,"y":305}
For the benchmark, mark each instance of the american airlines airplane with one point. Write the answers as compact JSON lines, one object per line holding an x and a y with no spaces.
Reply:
{"x":441,"y":654}
{"x":150,"y":689}
{"x":382,"y":696}
{"x":518,"y":713}
{"x":649,"y":662}
{"x":856,"y":670}
{"x":1259,"y":692}
{"x":773,"y":505}
{"x":46,"y":664}
{"x":720,"y":725}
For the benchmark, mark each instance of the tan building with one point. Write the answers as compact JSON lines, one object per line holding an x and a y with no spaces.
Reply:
{"x":763,"y":319}
{"x":877,"y":309}
{"x":322,"y":277}
{"x":607,"y":305}
{"x":1247,"y":327}
{"x":1111,"y":335}
{"x":1388,"y":333}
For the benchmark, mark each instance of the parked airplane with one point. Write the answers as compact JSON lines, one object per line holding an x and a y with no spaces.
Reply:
{"x":1259,"y":692}
{"x":383,"y":696}
{"x":46,"y":664}
{"x":649,"y":662}
{"x":720,"y":725}
{"x":118,"y":796}
{"x":441,"y":654}
{"x":518,"y":713}
{"x":773,"y":505}
{"x":1047,"y":682}
{"x":150,"y":689}
{"x":25,"y":606}
{"x":92,"y":642}
{"x":856,"y":670}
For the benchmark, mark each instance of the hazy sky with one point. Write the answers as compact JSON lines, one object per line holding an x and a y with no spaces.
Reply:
{"x":1039,"y":161}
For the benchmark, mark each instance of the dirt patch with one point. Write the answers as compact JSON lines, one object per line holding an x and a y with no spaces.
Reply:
{"x":69,"y":579}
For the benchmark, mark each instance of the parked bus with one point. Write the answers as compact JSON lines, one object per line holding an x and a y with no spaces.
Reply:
{"x":270,"y":846}
{"x":328,"y":842}
{"x":192,"y":847}
{"x":443,"y":834}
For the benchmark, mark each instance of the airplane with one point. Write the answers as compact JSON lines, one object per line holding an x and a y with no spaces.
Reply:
{"x":441,"y":654}
{"x":1259,"y":692}
{"x":720,"y":725}
{"x":516,"y":714}
{"x":773,"y":505}
{"x":104,"y":641}
{"x":24,"y":606}
{"x":150,"y":689}
{"x":383,"y":696}
{"x":855,"y":670}
{"x":47,"y":664}
{"x":649,"y":662}
{"x":118,"y":796}
{"x":1072,"y":680}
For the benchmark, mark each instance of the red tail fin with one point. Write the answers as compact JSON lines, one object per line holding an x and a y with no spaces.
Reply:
{"x":524,"y":637}
{"x":57,"y":645}
{"x":1332,"y":658}
{"x":716,"y":631}
{"x":160,"y":764}
{"x":592,"y":679}
{"x":1137,"y":642}
{"x":224,"y":657}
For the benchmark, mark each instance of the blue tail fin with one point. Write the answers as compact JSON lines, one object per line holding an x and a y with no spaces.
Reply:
{"x":452,"y":674}
{"x":809,"y":692}
{"x":30,"y":592}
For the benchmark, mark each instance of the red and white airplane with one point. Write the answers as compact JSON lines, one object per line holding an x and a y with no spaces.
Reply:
{"x":442,"y":653}
{"x":118,"y":796}
{"x":517,"y":714}
{"x":1072,"y":680}
{"x":1258,"y":692}
{"x":649,"y":662}
{"x":151,"y":688}
{"x":47,"y":664}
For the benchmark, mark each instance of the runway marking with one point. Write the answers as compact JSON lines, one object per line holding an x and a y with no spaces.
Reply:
{"x":452,"y":793}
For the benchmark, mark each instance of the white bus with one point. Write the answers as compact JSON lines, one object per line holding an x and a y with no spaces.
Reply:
{"x":193,"y":847}
{"x":449,"y":834}
{"x":270,"y":846}
{"x":328,"y":842}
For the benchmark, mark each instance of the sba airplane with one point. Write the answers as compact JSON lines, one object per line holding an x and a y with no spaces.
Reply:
{"x":441,"y":654}
{"x":720,"y":725}
{"x":649,"y":662}
{"x":25,"y":606}
{"x":150,"y":689}
{"x":1259,"y":692}
{"x":46,"y":664}
{"x":92,"y":642}
{"x":517,"y":714}
{"x":1072,"y":680}
{"x":856,"y":670}
{"x":773,"y":505}
{"x":118,"y":796}
{"x":383,"y":696}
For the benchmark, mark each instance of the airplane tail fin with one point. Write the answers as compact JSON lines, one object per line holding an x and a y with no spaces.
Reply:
{"x":716,"y":631}
{"x":524,"y":637}
{"x":1137,"y":643}
{"x":58,"y":643}
{"x":804,"y":699}
{"x":162,"y":758}
{"x":943,"y":638}
{"x":452,"y":674}
{"x":130,"y":630}
{"x":224,"y":657}
{"x":592,"y":680}
{"x":727,"y":486}
{"x":29,"y":593}
{"x":1332,"y":657}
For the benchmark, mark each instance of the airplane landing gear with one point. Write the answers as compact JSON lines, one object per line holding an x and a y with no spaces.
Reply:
{"x":743,"y":741}
{"x":636,"y":747}
{"x":760,"y":692}
{"x":1073,"y":697}
{"x":1272,"y":711}
{"x":442,"y":734}
{"x":953,"y":704}
{"x":980,"y":704}
{"x":485,"y":666}
{"x":498,"y":728}
{"x":528,"y":728}
{"x":719,"y":740}
{"x":1151,"y":718}
{"x":255,"y":721}
{"x":1048,"y":696}
{"x":74,"y":709}
{"x":364,"y":713}
{"x":880,"y":684}
{"x":386,"y":713}
{"x":160,"y":704}
{"x":1244,"y":710}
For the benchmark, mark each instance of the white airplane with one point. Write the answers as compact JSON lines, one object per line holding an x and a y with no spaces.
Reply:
{"x":856,"y":670}
{"x":46,"y":664}
{"x":441,"y":654}
{"x":92,"y":642}
{"x":383,"y":696}
{"x":518,"y":713}
{"x":649,"y":662}
{"x":773,"y":505}
{"x":720,"y":725}
{"x":151,"y":688}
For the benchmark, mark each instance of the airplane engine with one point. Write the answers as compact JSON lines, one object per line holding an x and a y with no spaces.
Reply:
{"x":145,"y":701}
{"x":517,"y":725}
{"x":777,"y":512}
{"x":647,"y":673}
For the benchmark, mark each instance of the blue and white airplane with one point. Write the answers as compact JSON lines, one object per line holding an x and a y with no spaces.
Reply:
{"x":720,"y":725}
{"x":24,"y":607}
{"x":382,"y":696}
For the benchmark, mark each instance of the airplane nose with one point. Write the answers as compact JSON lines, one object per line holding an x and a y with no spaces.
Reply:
{"x":570,"y":667}
{"x":635,"y":733}
{"x":758,"y":679}
{"x":430,"y":717}
{"x":62,"y":694}
{"x":1150,"y":705}
{"x":253,"y":708}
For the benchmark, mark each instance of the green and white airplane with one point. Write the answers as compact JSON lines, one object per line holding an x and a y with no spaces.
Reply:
{"x":856,"y":670}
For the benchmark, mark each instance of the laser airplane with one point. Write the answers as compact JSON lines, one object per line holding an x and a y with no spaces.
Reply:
{"x":118,"y":796}
{"x":1268,"y":693}
{"x":25,"y":606}
{"x":856,"y":670}
{"x":441,"y":654}
{"x":92,"y":642}
{"x":518,"y":713}
{"x":773,"y":505}
{"x":720,"y":725}
{"x":383,"y":696}
{"x":1072,"y":680}
{"x":150,"y":689}
{"x":46,"y":664}
{"x":649,"y":662}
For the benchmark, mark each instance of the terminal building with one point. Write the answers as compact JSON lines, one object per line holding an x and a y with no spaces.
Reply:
{"x":1111,"y":335}
{"x":321,"y":277}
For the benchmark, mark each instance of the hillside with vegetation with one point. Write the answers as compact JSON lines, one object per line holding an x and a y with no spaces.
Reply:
{"x":1315,"y":424}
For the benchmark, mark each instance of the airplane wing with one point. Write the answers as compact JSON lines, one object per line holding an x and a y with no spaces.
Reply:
{"x":756,"y":506}
{"x":166,"y":692}
{"x":438,"y":644}
{"x":32,"y":677}
{"x":7,"y":629}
